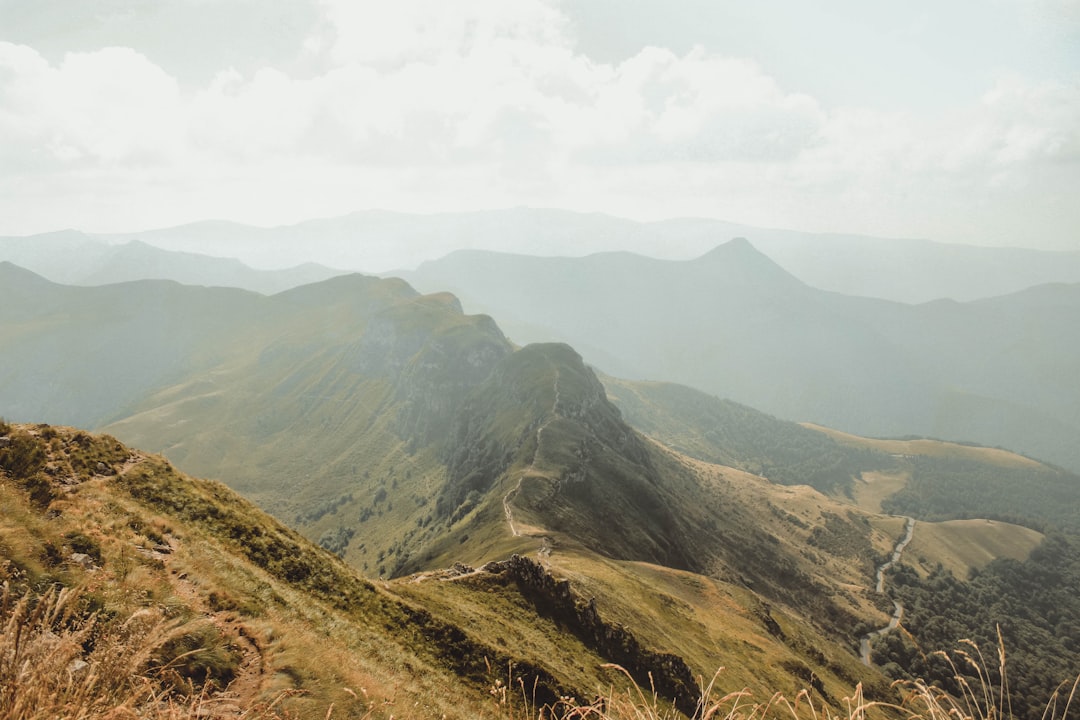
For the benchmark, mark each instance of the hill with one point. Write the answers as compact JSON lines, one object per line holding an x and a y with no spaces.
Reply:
{"x":221,"y":596}
{"x":480,"y":481}
{"x":80,"y":355}
{"x":242,"y":611}
{"x":902,"y":270}
{"x":998,"y":372}
{"x":235,"y":613}
{"x":75,"y":258}
{"x":927,"y":479}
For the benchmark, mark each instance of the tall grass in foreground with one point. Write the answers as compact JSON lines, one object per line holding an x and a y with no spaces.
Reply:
{"x":58,"y":661}
{"x":917,"y":700}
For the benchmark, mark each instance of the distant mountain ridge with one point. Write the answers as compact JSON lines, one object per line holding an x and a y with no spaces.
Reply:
{"x":1001,"y":371}
{"x":904,"y":270}
{"x":75,"y":258}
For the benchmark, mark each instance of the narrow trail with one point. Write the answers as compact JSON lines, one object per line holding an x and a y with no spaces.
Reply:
{"x":508,"y":512}
{"x":254,"y":668}
{"x":132,"y":460}
{"x":545,"y":549}
{"x":253,"y":671}
{"x":898,"y":608}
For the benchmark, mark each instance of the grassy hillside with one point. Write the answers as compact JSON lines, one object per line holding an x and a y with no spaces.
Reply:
{"x":928,"y":479}
{"x":181,"y":599}
{"x":82,"y":356}
{"x":936,"y":480}
{"x":1000,"y":371}
{"x":409,"y":440}
{"x":963,"y":546}
{"x":241,"y":612}
{"x":728,"y":433}
{"x":428,"y":440}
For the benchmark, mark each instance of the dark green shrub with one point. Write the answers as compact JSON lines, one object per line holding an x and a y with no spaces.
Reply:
{"x":197,"y":658}
{"x":22,"y":456}
{"x":82,"y":544}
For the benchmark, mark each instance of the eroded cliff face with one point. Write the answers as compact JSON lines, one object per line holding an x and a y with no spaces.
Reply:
{"x":541,"y":433}
{"x":556,"y":598}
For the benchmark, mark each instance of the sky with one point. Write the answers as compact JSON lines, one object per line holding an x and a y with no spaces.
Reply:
{"x":951,"y":120}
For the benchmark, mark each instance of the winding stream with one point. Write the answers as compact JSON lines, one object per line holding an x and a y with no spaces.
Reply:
{"x":898,"y":609}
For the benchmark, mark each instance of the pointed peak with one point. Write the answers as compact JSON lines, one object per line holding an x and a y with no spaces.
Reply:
{"x":735,"y":247}
{"x":738,"y":256}
{"x":11,"y":273}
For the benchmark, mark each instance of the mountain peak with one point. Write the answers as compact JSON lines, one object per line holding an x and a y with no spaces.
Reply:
{"x":736,"y":247}
{"x":739,"y":256}
{"x":12,"y":276}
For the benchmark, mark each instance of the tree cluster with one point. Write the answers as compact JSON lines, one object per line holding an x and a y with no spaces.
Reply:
{"x":1035,"y":604}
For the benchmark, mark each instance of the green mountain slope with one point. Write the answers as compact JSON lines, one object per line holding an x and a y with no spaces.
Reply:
{"x":75,"y":258}
{"x":263,"y":612}
{"x":254,"y":606}
{"x":407,"y":437}
{"x":904,"y":270}
{"x":82,"y":355}
{"x":733,"y":323}
{"x":927,"y":479}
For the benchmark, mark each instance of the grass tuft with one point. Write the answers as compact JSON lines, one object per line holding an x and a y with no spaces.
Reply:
{"x":917,"y":700}
{"x":58,"y":662}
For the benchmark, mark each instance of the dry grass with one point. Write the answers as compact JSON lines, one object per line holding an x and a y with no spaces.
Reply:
{"x":960,"y":545}
{"x":57,"y":660}
{"x":931,"y":448}
{"x":873,"y":487}
{"x":137,"y":636}
{"x":980,"y":699}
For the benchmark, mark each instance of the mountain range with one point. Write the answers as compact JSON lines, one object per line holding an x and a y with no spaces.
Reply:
{"x":1001,"y":371}
{"x":76,"y":258}
{"x":520,"y":509}
{"x":903,"y":270}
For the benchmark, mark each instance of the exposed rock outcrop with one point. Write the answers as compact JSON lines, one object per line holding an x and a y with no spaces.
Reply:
{"x":555,"y":598}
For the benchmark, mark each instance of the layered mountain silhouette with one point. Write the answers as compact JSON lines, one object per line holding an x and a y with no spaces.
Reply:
{"x":903,"y":270}
{"x":408,"y":437}
{"x":76,"y":258}
{"x":1000,"y":371}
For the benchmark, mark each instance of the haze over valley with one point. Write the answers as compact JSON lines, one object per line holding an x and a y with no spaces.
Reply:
{"x":528,"y":359}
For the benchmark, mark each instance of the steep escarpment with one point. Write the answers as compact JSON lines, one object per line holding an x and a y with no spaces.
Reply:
{"x":556,"y":598}
{"x":542,"y":432}
{"x":234,"y":607}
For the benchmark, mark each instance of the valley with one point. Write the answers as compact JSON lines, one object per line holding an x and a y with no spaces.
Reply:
{"x":539,"y":360}
{"x":463,"y":503}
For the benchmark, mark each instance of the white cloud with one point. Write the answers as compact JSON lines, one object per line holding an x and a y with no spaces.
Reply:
{"x":1036,"y":122}
{"x":431,"y":105}
{"x":390,"y":35}
{"x":112,"y":106}
{"x":269,"y":113}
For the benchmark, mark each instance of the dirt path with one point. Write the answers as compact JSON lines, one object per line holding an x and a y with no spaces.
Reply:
{"x":254,"y":668}
{"x":132,"y":460}
{"x":553,"y":414}
{"x":898,"y":608}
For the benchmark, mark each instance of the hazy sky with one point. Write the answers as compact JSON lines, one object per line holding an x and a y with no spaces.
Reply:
{"x":955,"y":120}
